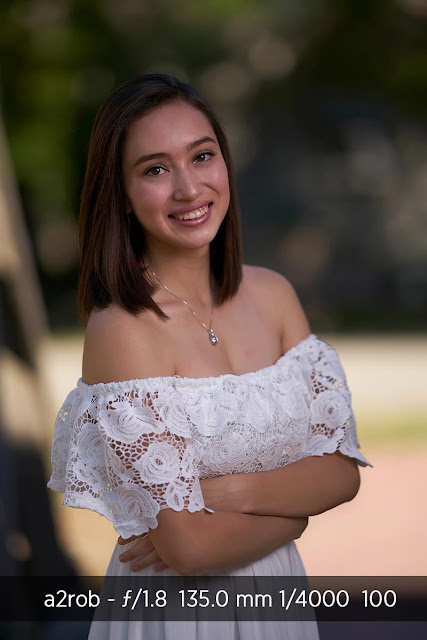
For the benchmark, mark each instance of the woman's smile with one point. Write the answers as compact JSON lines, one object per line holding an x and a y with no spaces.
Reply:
{"x":193,"y":216}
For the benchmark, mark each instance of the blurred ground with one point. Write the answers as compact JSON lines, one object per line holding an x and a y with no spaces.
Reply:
{"x":381,"y":532}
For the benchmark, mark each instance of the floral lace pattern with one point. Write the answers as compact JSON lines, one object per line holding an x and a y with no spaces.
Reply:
{"x":128,"y":449}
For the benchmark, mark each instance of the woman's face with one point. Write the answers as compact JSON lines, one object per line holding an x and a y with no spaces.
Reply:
{"x":175,"y":177}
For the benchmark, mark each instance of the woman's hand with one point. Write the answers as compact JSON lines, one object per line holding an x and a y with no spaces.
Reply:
{"x":142,"y":554}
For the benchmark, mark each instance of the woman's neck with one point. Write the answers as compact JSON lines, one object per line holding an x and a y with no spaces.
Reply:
{"x":187,"y":275}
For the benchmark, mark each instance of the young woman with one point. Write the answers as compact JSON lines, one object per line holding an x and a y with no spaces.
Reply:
{"x":209,"y":423}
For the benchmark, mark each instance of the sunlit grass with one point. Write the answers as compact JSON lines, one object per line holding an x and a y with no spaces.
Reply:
{"x":397,"y":429}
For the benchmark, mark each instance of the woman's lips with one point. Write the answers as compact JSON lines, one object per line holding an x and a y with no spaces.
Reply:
{"x":194,"y":221}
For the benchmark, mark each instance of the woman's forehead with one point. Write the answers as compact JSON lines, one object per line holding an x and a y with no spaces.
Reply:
{"x":170,"y":126}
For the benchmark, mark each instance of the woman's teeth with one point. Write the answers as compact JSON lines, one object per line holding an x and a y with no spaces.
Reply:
{"x":193,"y":215}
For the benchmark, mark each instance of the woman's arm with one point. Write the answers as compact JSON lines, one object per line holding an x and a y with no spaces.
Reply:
{"x":193,"y":543}
{"x":246,"y":539}
{"x":304,"y":488}
{"x":255,"y":513}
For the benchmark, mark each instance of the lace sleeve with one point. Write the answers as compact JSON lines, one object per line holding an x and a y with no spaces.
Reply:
{"x":332,"y":424}
{"x":126,"y":452}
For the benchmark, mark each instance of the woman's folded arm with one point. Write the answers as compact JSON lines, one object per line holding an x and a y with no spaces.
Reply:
{"x":200,"y":542}
{"x":304,"y":488}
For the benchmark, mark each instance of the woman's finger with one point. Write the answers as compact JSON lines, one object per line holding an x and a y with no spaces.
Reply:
{"x":144,"y":561}
{"x":126,"y":540}
{"x":140,"y":548}
{"x":131,"y":539}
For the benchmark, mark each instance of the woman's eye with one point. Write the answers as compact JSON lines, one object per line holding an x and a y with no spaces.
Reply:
{"x":203,"y":156}
{"x":155,"y":171}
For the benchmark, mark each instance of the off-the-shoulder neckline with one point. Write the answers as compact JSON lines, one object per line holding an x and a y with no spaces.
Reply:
{"x":106,"y":386}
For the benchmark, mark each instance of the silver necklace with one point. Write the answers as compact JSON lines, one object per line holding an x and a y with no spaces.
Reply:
{"x":212,"y":337}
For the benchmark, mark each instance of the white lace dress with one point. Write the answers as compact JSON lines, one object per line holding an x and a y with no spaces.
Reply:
{"x":128,"y":449}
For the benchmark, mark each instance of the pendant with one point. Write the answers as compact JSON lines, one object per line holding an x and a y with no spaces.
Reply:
{"x":212,"y":338}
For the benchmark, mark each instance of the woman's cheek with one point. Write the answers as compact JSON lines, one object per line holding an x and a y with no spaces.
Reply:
{"x":151,"y":198}
{"x":223,"y":179}
{"x":218,"y":180}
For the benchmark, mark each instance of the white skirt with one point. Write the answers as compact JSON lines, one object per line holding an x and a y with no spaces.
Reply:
{"x":285,"y":561}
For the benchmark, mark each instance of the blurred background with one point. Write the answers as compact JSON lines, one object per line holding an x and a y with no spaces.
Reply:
{"x":324,"y":103}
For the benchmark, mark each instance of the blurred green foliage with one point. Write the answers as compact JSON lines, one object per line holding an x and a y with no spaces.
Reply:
{"x":325,"y":105}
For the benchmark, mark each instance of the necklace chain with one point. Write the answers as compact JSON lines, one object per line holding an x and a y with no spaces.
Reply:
{"x":212,"y":337}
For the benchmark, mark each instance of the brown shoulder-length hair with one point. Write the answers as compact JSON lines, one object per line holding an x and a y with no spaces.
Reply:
{"x":112,"y":242}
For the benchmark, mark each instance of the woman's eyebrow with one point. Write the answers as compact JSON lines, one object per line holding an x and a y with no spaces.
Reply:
{"x":160,"y":154}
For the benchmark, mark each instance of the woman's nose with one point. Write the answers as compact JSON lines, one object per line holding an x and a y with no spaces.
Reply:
{"x":186,"y":186}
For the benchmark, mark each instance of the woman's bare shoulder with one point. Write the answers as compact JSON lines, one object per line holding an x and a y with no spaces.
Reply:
{"x":269,"y":286}
{"x":263,"y":276}
{"x":120,"y":346}
{"x":276,"y":293}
